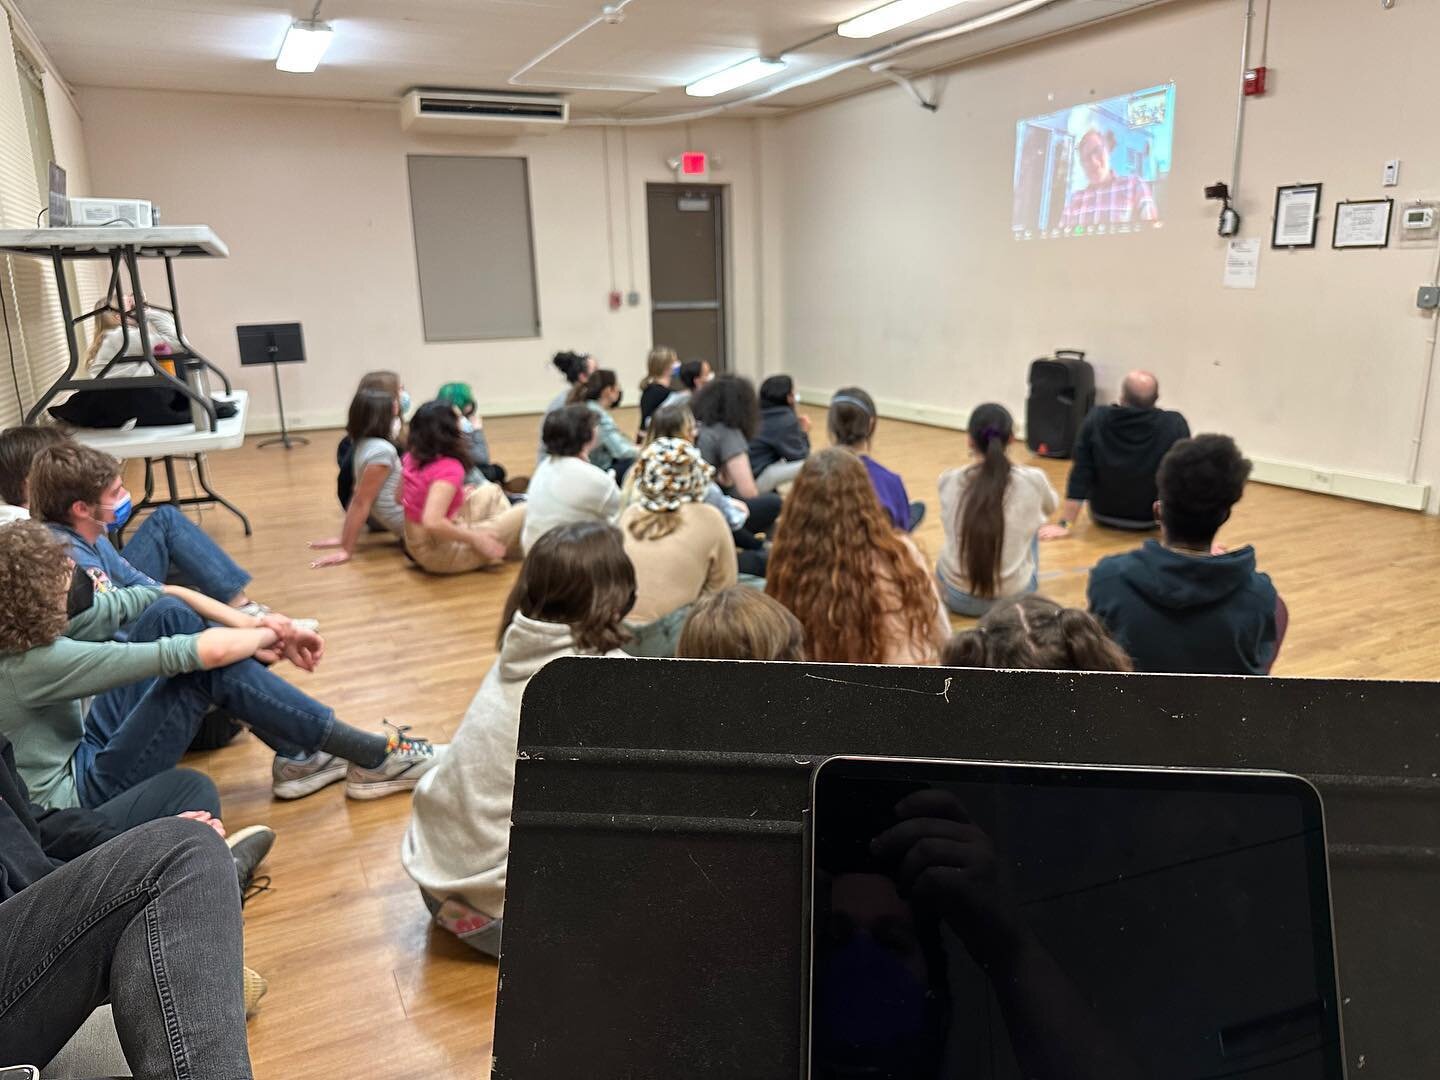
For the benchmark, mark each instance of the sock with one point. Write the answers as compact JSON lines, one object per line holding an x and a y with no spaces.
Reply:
{"x":364,"y":748}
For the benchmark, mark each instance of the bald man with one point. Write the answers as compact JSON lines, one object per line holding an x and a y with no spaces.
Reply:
{"x":1117,"y":455}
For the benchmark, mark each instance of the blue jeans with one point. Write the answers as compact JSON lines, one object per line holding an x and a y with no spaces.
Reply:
{"x":169,"y":546}
{"x":962,"y":603}
{"x":149,"y":921}
{"x":134,"y":732}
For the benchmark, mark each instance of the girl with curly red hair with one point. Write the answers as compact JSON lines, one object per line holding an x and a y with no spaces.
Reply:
{"x":862,"y":591}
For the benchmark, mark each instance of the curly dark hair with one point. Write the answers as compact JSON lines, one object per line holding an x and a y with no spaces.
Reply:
{"x":566,"y":431}
{"x":18,"y":447}
{"x":1200,"y":480}
{"x":435,"y":433}
{"x":1034,"y":633}
{"x":728,"y":401}
{"x":35,"y":573}
{"x":578,"y":575}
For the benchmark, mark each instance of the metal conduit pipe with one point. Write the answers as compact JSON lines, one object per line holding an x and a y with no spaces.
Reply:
{"x":878,"y":56}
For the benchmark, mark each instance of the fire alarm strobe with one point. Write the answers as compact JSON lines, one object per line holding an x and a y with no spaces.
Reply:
{"x":1255,"y":81}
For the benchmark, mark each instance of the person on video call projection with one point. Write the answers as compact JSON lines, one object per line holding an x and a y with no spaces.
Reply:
{"x":1107,"y":198}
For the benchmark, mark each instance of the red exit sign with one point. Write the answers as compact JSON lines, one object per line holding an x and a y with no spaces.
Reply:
{"x":694,"y":163}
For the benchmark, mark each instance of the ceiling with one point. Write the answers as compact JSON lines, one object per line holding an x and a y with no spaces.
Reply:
{"x":634,"y":68}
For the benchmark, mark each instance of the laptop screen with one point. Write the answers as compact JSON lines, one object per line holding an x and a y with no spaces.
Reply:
{"x":1010,"y":921}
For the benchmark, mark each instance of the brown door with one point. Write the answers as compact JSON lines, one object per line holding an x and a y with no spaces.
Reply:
{"x":687,"y":270}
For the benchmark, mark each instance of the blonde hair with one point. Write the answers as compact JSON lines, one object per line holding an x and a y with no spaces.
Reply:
{"x":741,"y":623}
{"x":658,"y":364}
{"x":108,"y":320}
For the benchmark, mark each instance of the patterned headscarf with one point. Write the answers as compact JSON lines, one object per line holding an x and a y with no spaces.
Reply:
{"x":670,"y":473}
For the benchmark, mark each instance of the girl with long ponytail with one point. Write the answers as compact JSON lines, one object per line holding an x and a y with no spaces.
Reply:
{"x":991,"y":510}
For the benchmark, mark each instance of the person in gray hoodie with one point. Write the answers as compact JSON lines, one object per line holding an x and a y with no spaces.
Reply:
{"x":1182,"y":604}
{"x":574,"y":590}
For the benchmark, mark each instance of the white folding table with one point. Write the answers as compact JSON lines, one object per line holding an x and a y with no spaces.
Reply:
{"x":165,"y":444}
{"x":124,"y":246}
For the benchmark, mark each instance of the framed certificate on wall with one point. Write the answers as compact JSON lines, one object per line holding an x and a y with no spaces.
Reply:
{"x":1297,"y":211}
{"x":1363,"y":224}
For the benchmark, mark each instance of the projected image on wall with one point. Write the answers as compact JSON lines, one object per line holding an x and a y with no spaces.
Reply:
{"x":1094,"y":169}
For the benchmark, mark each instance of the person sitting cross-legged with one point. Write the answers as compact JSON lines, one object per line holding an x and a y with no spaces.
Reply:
{"x":1181,"y":604}
{"x":57,"y":648}
{"x":1116,"y":454}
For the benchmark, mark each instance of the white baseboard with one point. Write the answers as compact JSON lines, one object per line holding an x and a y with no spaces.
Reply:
{"x":265,"y":423}
{"x":1374,"y":489}
{"x":1366,"y":488}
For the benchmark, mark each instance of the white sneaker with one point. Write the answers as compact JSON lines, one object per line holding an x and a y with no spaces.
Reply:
{"x":406,"y":761}
{"x":294,"y":778}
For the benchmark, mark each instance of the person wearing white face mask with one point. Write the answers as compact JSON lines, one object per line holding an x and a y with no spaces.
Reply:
{"x":377,"y":476}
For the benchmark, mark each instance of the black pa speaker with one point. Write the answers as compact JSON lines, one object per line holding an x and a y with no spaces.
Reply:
{"x":1062,"y":393}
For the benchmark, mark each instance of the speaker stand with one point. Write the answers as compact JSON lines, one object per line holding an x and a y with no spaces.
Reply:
{"x":284,"y":439}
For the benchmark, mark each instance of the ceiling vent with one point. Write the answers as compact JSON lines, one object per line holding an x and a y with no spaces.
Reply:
{"x":482,"y":112}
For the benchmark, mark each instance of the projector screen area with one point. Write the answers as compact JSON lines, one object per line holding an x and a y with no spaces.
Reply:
{"x":1096,"y":168}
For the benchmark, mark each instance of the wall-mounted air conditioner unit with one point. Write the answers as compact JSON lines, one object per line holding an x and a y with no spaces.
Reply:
{"x":482,"y":112}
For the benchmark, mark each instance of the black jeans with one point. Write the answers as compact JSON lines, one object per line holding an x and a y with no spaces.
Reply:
{"x":149,"y":922}
{"x":174,"y":791}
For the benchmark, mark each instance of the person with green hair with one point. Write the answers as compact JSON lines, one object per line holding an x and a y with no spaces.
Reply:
{"x":461,"y":398}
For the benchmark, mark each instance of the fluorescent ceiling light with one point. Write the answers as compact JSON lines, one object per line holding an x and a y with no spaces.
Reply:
{"x":748,"y":71}
{"x":305,"y":44}
{"x":898,"y":13}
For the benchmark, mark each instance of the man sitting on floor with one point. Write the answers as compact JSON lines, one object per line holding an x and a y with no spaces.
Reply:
{"x":166,"y":546}
{"x":1116,"y":454}
{"x":1182,"y":604}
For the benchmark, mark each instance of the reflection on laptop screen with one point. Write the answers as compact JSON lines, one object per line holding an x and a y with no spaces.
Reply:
{"x":1000,"y":921}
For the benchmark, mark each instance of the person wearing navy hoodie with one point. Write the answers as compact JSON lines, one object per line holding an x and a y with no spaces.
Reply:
{"x":1182,"y":604}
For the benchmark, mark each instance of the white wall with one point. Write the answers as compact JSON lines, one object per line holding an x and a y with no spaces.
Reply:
{"x":898,"y":270}
{"x":313,"y":201}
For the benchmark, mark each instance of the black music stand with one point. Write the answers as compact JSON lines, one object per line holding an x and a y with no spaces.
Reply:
{"x":274,"y":344}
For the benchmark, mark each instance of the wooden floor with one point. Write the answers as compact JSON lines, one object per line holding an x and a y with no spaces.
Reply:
{"x":359,"y":986}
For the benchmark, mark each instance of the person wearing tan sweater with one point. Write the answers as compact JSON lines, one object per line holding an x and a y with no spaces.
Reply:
{"x":681,"y":548}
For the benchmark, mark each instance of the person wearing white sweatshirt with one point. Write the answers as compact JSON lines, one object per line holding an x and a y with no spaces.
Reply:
{"x":566,"y":488}
{"x":574,"y":590}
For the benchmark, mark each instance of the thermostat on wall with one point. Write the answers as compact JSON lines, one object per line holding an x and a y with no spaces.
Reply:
{"x":1420,"y":217}
{"x":1419,"y":221}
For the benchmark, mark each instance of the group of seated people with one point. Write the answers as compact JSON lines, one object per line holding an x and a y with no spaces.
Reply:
{"x":720,"y":533}
{"x":114,"y":877}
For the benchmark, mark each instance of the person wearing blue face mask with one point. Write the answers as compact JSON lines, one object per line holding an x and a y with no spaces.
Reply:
{"x":86,"y":500}
{"x":167,"y":545}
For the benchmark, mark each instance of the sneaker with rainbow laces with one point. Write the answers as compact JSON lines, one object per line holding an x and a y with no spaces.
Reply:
{"x":407,"y":759}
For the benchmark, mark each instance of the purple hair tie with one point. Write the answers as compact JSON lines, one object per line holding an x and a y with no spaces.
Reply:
{"x":990,"y":433}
